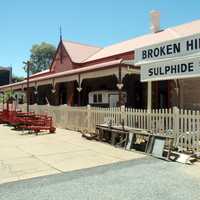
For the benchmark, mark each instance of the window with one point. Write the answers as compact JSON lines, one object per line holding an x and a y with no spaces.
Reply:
{"x":99,"y":98}
{"x":95,"y":98}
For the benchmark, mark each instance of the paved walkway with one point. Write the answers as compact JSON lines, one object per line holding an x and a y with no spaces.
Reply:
{"x":146,"y":179}
{"x":25,"y":156}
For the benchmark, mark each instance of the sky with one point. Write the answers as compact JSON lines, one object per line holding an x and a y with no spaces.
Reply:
{"x":97,"y":22}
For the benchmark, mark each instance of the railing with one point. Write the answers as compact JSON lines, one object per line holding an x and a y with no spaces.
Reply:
{"x":183,"y":124}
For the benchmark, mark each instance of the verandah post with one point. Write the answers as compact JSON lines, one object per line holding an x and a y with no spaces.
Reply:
{"x":175,"y":123}
{"x":149,"y":96}
{"x":89,"y":117}
{"x":149,"y":104}
{"x":123,"y":115}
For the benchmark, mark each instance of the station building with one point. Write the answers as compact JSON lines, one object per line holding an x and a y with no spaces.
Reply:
{"x":79,"y":69}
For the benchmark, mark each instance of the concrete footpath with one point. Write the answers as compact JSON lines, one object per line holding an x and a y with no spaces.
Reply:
{"x":24,"y":156}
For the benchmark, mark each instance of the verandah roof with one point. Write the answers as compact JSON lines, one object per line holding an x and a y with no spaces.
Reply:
{"x":93,"y":71}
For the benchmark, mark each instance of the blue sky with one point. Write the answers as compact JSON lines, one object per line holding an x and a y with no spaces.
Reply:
{"x":99,"y":22}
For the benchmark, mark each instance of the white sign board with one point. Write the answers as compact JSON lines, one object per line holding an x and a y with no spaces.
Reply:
{"x":173,"y":48}
{"x":165,"y":61}
{"x":170,"y":70}
{"x":158,"y":147}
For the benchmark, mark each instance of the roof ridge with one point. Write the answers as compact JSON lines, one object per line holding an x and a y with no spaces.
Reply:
{"x":85,"y":60}
{"x":149,"y":33}
{"x":75,"y":42}
{"x":171,"y":30}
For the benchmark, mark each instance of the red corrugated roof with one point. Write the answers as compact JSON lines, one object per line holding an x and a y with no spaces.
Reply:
{"x":69,"y":72}
{"x":79,"y":52}
{"x":148,"y":39}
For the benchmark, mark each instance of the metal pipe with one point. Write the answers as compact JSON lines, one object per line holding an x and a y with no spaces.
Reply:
{"x":27,"y":88}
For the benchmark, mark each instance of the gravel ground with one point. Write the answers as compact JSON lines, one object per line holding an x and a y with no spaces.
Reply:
{"x":146,"y":178}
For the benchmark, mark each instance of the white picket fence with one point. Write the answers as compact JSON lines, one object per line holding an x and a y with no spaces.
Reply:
{"x":183,"y":124}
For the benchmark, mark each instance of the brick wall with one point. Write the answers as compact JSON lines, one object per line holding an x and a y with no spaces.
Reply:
{"x":190,"y":93}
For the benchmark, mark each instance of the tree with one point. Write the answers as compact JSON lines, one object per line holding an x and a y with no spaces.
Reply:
{"x":7,"y":95}
{"x":17,"y":79}
{"x":41,"y":57}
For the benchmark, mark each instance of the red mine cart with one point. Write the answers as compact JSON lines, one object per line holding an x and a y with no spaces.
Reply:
{"x":29,"y":121}
{"x":38,"y":123}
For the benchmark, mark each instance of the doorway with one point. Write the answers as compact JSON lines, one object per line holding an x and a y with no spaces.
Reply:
{"x":163,"y":94}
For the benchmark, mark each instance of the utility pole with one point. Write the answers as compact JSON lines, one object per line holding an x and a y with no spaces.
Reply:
{"x":28,"y":65}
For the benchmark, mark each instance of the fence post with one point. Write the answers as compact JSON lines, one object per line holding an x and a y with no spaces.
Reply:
{"x":123,"y":115}
{"x":149,"y":125}
{"x":175,"y":123}
{"x":88,"y":117}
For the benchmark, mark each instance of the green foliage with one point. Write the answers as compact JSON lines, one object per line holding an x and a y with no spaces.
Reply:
{"x":41,"y":57}
{"x":17,"y":79}
{"x":7,"y":95}
{"x":1,"y":98}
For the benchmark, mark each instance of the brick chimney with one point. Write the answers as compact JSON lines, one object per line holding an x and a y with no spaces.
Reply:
{"x":155,"y":21}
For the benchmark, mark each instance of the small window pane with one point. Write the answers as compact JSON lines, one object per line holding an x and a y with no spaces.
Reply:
{"x":95,"y":98}
{"x":100,"y":98}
